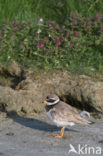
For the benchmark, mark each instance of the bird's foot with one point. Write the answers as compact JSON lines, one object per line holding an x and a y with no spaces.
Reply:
{"x":57,"y":136}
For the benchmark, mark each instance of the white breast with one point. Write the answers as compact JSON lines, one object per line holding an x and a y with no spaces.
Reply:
{"x":57,"y":122}
{"x":49,"y":115}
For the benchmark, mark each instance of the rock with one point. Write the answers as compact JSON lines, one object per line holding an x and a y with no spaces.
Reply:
{"x":11,"y":74}
{"x":14,"y":69}
{"x":81,"y":91}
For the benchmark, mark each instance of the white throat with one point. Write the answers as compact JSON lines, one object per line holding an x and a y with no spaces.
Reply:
{"x":53,"y":103}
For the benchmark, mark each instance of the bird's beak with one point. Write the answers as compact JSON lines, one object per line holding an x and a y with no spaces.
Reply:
{"x":45,"y":101}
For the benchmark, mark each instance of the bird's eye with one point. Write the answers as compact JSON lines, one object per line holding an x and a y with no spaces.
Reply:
{"x":47,"y":98}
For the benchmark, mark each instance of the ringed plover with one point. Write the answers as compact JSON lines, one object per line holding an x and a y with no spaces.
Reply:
{"x":62,"y":114}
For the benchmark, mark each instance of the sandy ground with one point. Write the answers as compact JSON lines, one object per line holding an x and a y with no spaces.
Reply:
{"x":21,"y":136}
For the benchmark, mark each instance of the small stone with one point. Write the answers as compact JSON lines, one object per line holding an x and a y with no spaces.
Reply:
{"x":10,"y":134}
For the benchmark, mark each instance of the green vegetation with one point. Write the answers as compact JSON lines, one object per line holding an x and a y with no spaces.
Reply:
{"x":54,"y":10}
{"x":70,"y":37}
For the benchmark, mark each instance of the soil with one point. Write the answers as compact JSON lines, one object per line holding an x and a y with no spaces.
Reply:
{"x":25,"y":136}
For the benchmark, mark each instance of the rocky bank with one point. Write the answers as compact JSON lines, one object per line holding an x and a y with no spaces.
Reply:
{"x":27,"y":89}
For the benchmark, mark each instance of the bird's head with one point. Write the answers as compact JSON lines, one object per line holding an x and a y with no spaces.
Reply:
{"x":51,"y":99}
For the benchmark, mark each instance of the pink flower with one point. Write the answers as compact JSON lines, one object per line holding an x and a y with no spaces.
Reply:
{"x":73,"y":24}
{"x":22,"y":43}
{"x":89,"y":29}
{"x":63,"y":27}
{"x":61,"y":38}
{"x":87,"y":20}
{"x":54,"y":26}
{"x":67,"y":34}
{"x":57,"y":42}
{"x":48,"y":22}
{"x":73,"y":15}
{"x":3,"y":39}
{"x":78,"y":46}
{"x":40,"y":44}
{"x":98,"y":17}
{"x":76,"y":34}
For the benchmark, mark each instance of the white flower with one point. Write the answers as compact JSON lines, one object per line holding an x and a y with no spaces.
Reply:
{"x":41,"y":20}
{"x":39,"y":31}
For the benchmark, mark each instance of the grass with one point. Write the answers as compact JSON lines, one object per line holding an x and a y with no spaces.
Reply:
{"x":55,"y":10}
{"x":69,"y":37}
{"x":75,"y":46}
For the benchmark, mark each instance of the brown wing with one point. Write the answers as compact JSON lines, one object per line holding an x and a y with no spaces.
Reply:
{"x":67,"y":113}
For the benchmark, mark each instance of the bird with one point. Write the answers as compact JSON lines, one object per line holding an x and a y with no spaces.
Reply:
{"x":62,"y":114}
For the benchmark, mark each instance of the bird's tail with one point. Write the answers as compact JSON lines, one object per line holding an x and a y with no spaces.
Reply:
{"x":83,"y":113}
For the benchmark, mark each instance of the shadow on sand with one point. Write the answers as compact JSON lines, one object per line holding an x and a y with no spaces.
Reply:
{"x":34,"y":123}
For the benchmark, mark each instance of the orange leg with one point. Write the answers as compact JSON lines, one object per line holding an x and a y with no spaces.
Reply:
{"x":61,"y":133}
